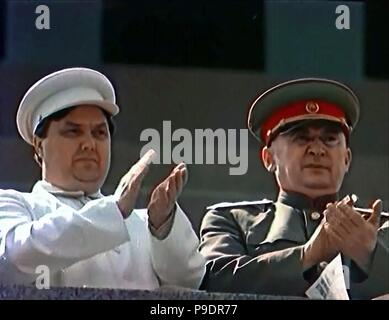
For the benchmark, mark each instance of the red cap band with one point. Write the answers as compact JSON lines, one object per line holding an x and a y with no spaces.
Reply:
{"x":300,"y":110}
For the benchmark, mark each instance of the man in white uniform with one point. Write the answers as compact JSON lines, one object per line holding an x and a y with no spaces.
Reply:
{"x":84,"y":238}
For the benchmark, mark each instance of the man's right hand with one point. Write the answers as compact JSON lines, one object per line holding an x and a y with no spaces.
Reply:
{"x":319,"y":248}
{"x":129,"y":186}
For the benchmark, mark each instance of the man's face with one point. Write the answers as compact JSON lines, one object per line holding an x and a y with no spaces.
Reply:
{"x":77,"y":149}
{"x":311,"y":160}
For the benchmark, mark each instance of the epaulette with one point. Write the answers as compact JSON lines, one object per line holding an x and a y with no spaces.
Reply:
{"x":223,"y":205}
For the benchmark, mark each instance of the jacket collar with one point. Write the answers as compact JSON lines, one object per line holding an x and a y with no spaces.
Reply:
{"x":289,"y":222}
{"x":302,"y":202}
{"x":48,"y":187}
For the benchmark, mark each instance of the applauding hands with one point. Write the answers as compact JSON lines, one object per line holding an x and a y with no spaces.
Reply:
{"x":344,"y":230}
{"x":163,"y":196}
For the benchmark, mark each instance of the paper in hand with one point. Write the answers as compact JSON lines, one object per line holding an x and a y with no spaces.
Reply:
{"x":331,"y":285}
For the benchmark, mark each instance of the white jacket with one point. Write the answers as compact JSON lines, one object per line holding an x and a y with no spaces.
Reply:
{"x":86,"y":243}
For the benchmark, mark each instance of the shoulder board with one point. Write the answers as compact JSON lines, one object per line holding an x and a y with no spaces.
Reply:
{"x":222,"y":205}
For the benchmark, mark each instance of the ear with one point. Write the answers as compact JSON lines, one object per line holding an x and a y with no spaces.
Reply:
{"x":37,"y":144}
{"x":348,"y":158}
{"x":38,"y":150}
{"x":268,"y":159}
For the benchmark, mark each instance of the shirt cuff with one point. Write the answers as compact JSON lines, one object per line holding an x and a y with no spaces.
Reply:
{"x":163,"y":231}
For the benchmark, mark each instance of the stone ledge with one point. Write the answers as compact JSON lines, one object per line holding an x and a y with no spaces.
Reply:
{"x":16,"y":292}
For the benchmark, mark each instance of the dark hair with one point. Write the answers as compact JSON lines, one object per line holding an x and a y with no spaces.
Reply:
{"x":43,"y":126}
{"x":41,"y":130}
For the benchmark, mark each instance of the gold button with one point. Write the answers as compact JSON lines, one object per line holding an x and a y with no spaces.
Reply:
{"x":315,"y":215}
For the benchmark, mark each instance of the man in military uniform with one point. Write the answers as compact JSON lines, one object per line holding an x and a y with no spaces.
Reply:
{"x":281,"y":247}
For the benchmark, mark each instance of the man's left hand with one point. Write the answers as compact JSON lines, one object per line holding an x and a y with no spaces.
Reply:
{"x":348,"y":230}
{"x":165,"y":195}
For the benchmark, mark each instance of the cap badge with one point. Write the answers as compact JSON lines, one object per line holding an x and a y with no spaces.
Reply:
{"x":312,"y":107}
